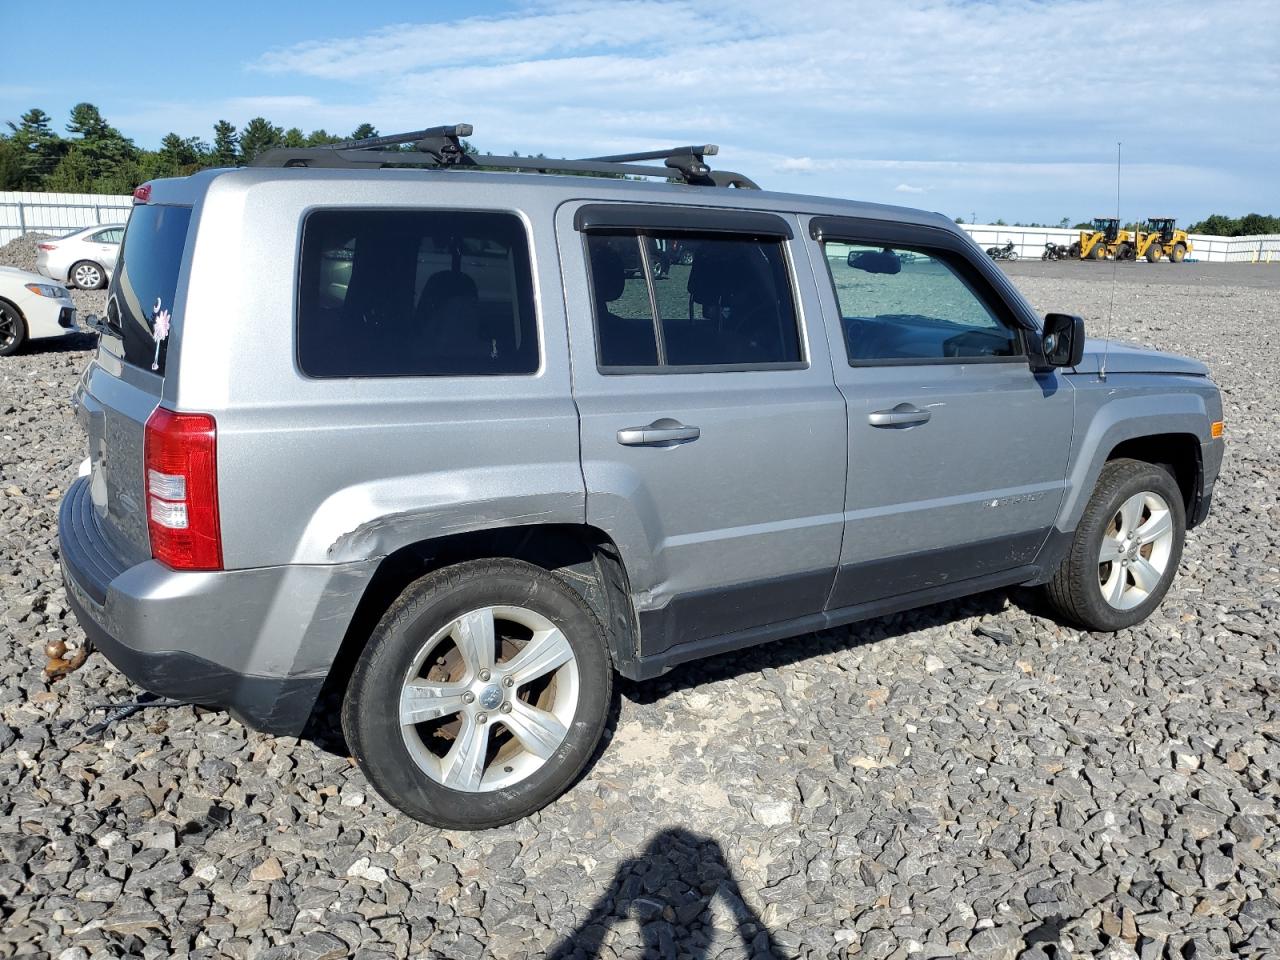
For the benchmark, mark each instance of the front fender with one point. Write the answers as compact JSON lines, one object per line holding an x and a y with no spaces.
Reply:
{"x":1127,"y":408}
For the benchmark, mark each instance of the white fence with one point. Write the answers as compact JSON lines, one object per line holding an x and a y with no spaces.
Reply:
{"x":57,"y":213}
{"x":1030,"y":241}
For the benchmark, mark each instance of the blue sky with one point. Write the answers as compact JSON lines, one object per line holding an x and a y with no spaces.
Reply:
{"x":1003,"y":109}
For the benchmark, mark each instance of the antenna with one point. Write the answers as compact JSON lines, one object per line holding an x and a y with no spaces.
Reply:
{"x":1115,"y":264}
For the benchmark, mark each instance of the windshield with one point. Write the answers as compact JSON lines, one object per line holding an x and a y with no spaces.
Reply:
{"x":140,"y":304}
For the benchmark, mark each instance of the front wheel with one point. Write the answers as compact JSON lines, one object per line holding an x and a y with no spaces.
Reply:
{"x":1179,"y":253}
{"x":481,"y":695}
{"x":1125,"y":551}
{"x":1012,"y":255}
{"x":13,"y":330}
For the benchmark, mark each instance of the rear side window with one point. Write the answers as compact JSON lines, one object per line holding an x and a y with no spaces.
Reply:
{"x":415,"y":293}
{"x":146,"y":278}
{"x":669,"y":300}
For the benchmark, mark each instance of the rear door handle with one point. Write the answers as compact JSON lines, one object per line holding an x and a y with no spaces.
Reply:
{"x":661,"y":433}
{"x":903,"y":415}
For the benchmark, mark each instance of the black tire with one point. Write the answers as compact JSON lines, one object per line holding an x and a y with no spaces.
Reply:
{"x":13,"y":329}
{"x":1074,"y":592}
{"x":1179,"y":253}
{"x":370,"y":710}
{"x":87,"y":267}
{"x":1124,"y":252}
{"x":1099,"y":251}
{"x":1154,"y":252}
{"x":1012,"y":256}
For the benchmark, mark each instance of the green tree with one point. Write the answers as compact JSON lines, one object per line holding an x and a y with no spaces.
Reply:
{"x":101,"y":152}
{"x":318,"y":138}
{"x":293,"y":137}
{"x":226,"y":145}
{"x":364,"y":132}
{"x":181,"y":155}
{"x":37,"y":146}
{"x":258,"y":136}
{"x":12,"y":169}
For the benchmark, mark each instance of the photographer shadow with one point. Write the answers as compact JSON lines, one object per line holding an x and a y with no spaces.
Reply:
{"x":670,"y":890}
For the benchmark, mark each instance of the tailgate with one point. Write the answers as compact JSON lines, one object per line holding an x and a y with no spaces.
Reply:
{"x":122,"y":385}
{"x":114,"y":402}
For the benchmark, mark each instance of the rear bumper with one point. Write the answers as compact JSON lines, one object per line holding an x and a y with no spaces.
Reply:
{"x":258,"y":643}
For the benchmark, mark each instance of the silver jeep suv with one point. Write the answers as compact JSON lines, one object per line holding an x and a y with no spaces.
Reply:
{"x":386,"y":423}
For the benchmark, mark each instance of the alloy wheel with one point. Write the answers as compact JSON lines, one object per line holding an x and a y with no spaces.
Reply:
{"x":1135,"y":550}
{"x":489,"y":698}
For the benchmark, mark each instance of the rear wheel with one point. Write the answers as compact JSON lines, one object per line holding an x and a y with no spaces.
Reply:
{"x":1179,"y":253}
{"x":87,"y":275}
{"x":13,"y":330}
{"x":481,"y":695}
{"x":1154,"y":253}
{"x":1125,"y":551}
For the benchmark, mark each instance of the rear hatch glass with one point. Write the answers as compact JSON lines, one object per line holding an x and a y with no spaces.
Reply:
{"x":121,"y":386}
{"x":140,"y":304}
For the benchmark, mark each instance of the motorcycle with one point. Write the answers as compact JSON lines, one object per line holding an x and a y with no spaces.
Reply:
{"x":1007,"y":252}
{"x":1056,"y":251}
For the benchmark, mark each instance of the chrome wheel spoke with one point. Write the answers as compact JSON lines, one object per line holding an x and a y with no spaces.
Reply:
{"x":473,"y":633}
{"x":1131,"y":513}
{"x":539,"y":731}
{"x":1112,"y":550}
{"x":1113,"y":587}
{"x":1159,"y":525}
{"x":545,"y":651}
{"x":422,"y":700}
{"x":463,"y":766}
{"x":1145,"y":575}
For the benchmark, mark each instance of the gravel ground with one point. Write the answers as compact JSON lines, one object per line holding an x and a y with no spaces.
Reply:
{"x":904,"y":787}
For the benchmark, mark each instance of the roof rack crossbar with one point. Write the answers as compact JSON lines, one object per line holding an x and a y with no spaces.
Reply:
{"x":441,"y":147}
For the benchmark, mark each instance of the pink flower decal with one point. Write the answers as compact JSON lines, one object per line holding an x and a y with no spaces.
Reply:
{"x":160,"y":329}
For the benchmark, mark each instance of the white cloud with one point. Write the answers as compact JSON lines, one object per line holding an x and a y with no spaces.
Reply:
{"x":983,"y":102}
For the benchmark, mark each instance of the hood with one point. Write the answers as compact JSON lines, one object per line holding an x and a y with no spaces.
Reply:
{"x":25,"y":276}
{"x":1126,"y":358}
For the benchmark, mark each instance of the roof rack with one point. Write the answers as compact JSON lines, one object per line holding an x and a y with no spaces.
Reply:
{"x":442,"y":148}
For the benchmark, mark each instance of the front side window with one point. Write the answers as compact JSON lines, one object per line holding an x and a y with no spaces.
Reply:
{"x":903,"y":305}
{"x":415,"y":293}
{"x":667,"y":300}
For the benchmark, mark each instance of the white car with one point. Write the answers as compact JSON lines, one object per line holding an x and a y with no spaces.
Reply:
{"x":32,"y":307}
{"x":84,"y":259}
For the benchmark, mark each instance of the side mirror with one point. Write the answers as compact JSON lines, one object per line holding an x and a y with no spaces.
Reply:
{"x":1062,"y":341}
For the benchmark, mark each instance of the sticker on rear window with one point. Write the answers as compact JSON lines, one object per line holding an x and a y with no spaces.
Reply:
{"x":159,"y":330}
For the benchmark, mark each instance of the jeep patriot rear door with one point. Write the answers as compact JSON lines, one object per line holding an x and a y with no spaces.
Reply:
{"x":713,"y":435}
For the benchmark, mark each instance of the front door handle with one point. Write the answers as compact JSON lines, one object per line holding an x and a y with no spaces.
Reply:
{"x":903,"y":415}
{"x":661,"y":433}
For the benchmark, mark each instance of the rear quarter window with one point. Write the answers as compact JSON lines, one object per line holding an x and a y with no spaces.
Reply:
{"x":415,"y":293}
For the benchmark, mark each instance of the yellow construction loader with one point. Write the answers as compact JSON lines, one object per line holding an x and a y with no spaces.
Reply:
{"x":1163,"y":239}
{"x":1105,"y":236}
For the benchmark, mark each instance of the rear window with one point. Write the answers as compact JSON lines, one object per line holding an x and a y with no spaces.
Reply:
{"x":140,"y":304}
{"x":670,"y":300}
{"x":423,"y":293}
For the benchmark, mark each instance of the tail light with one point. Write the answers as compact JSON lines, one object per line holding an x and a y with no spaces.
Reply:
{"x":46,"y":246}
{"x":142,"y":194}
{"x":182,"y":490}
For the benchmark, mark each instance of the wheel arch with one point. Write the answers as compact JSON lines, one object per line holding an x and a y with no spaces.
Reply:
{"x":585,"y":557}
{"x":1158,"y":427}
{"x":13,"y":306}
